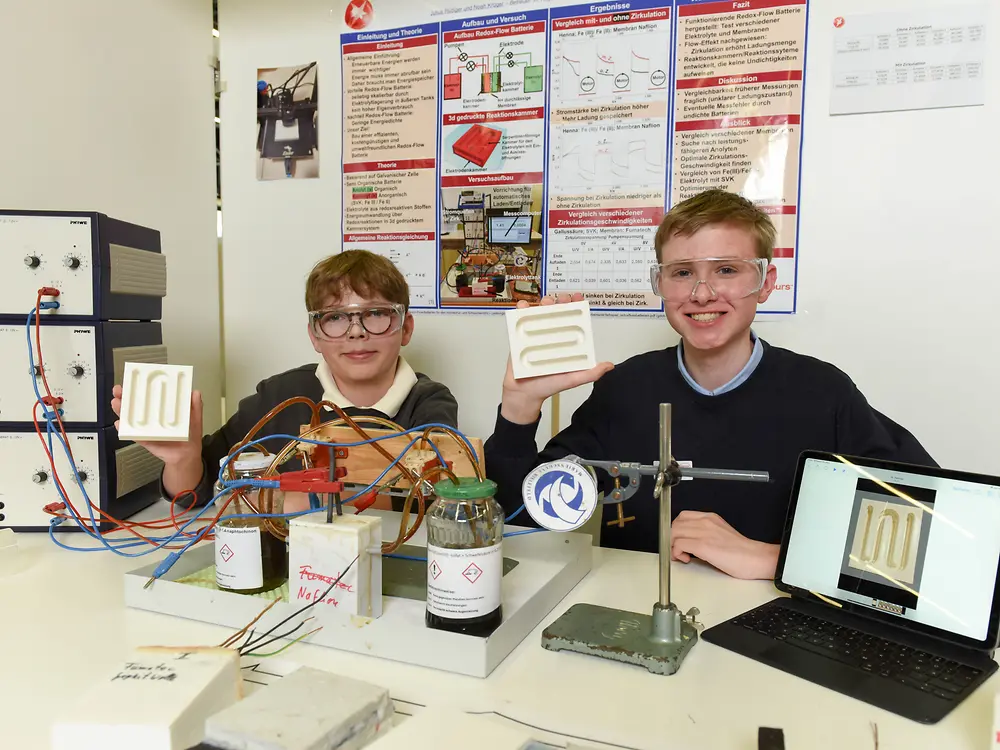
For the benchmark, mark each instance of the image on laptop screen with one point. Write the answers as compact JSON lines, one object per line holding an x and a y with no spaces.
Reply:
{"x":921,"y":547}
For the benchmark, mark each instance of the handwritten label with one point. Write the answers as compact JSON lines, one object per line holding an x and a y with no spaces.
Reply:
{"x":136,"y":671}
{"x":306,"y":573}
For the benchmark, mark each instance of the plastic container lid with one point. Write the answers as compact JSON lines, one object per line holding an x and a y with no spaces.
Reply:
{"x":248,"y":461}
{"x":468,"y":488}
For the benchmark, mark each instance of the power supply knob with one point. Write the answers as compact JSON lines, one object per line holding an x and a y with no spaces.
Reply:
{"x":82,"y":475}
{"x":36,"y":371}
{"x":76,"y":371}
{"x":73,"y":262}
{"x":40,"y":477}
{"x":32,"y":261}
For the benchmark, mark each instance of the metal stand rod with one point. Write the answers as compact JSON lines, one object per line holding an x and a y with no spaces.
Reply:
{"x":737,"y":475}
{"x":665,"y":459}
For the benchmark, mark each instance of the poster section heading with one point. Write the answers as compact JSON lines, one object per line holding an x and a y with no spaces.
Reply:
{"x":497,"y":158}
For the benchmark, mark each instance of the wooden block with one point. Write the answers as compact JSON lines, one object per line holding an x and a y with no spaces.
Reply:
{"x":310,"y":709}
{"x":318,"y":552}
{"x":364,"y":463}
{"x":158,"y":699}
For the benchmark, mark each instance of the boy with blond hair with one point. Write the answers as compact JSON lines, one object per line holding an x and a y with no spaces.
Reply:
{"x":738,"y":402}
{"x":358,"y":320}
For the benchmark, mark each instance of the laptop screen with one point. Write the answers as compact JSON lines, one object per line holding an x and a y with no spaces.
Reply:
{"x":919,"y":546}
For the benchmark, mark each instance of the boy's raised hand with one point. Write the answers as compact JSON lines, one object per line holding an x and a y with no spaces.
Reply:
{"x":522,"y":399}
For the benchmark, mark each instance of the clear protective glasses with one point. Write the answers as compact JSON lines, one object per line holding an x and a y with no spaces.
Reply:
{"x":375,"y":320}
{"x":727,"y":278}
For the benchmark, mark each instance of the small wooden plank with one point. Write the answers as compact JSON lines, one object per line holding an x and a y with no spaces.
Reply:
{"x":364,"y":463}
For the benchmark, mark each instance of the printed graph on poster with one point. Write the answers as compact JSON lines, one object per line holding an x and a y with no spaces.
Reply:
{"x":491,"y":245}
{"x":885,"y":549}
{"x":358,"y":14}
{"x":602,"y":67}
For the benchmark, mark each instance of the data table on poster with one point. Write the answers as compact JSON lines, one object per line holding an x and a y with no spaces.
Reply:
{"x":535,"y":151}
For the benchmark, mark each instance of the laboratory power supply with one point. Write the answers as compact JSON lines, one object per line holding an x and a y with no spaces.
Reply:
{"x":103,"y":268}
{"x":119,"y":478}
{"x":81,"y":362}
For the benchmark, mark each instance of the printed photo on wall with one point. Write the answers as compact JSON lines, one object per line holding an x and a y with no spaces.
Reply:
{"x":887,"y":543}
{"x":287,"y":116}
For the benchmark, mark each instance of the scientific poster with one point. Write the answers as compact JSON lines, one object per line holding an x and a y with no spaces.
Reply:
{"x":497,"y":158}
{"x":389,"y":145}
{"x":287,"y":116}
{"x":911,"y":59}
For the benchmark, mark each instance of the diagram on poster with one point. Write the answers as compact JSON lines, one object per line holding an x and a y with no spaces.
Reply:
{"x":492,"y":159}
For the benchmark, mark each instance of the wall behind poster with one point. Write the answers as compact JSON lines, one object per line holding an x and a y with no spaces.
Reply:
{"x":897,"y":219}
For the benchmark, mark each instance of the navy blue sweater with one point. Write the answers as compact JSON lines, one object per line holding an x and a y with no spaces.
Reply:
{"x":790,"y":403}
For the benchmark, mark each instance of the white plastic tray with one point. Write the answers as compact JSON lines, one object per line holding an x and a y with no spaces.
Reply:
{"x":549,"y":567}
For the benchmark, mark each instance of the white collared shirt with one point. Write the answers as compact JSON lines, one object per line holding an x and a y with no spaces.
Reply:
{"x":389,"y":404}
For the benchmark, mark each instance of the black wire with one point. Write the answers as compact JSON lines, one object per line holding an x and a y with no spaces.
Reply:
{"x":550,"y":731}
{"x":526,"y":724}
{"x":272,"y":640}
{"x":313,"y":603}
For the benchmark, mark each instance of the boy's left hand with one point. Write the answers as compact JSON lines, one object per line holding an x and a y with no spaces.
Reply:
{"x":709,"y":538}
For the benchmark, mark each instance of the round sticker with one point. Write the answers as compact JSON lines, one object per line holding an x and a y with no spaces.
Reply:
{"x":560,"y":495}
{"x":358,"y":14}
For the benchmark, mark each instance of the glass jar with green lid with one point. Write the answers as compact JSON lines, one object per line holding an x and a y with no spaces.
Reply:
{"x":464,"y":557}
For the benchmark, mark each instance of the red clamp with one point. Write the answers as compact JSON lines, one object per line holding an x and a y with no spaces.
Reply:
{"x":434,"y":464}
{"x":364,"y":502}
{"x":52,"y":400}
{"x":311,"y":480}
{"x":48,"y":291}
{"x":321,"y":454}
{"x":53,"y":508}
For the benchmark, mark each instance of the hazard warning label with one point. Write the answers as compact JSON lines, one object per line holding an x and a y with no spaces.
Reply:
{"x":238,"y":558}
{"x":463,"y":583}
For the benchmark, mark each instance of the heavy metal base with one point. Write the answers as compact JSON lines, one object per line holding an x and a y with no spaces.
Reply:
{"x":618,"y":635}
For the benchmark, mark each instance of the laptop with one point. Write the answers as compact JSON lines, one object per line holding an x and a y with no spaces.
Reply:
{"x":891,"y":572}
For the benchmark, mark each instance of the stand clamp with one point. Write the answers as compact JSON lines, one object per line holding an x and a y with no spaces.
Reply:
{"x":658,"y":642}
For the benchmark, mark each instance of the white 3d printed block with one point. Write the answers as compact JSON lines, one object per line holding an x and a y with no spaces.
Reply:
{"x":310,"y":709}
{"x":159,"y":699}
{"x":156,"y":402}
{"x":550,"y":339}
{"x":318,"y":552}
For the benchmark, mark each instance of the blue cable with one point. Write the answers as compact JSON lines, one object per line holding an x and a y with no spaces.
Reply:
{"x":50,"y":416}
{"x":405,"y":557}
{"x":514,"y":515}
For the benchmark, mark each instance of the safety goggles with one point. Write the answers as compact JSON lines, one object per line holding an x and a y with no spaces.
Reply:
{"x":375,"y":320}
{"x":726,"y":278}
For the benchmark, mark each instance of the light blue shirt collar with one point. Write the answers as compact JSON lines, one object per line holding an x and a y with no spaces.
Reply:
{"x":741,"y":377}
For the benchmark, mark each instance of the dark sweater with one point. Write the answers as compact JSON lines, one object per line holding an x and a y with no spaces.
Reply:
{"x":427,"y":402}
{"x":790,"y":403}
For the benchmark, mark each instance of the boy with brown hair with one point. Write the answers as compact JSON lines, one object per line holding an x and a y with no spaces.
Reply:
{"x":358,"y":319}
{"x":738,"y":402}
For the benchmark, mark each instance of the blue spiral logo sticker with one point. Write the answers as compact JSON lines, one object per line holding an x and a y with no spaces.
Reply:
{"x":560,"y":496}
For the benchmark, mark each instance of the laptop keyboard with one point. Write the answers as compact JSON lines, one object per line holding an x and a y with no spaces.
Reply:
{"x":910,"y":666}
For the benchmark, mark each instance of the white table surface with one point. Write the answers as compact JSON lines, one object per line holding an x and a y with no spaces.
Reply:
{"x":63,"y":624}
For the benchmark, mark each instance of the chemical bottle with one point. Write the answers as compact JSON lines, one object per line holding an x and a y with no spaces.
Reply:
{"x":249,"y":558}
{"x":464,"y":557}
